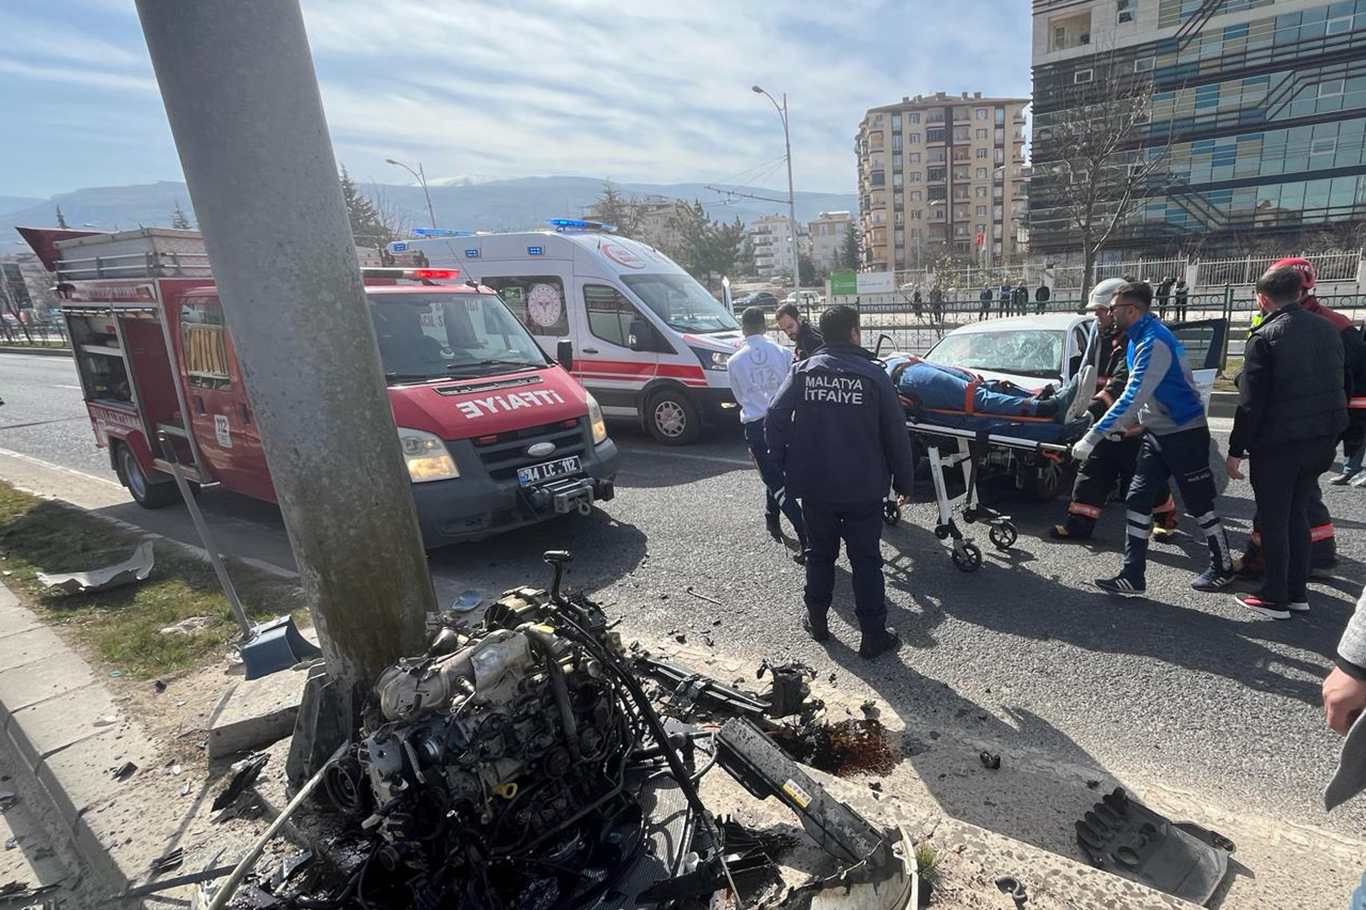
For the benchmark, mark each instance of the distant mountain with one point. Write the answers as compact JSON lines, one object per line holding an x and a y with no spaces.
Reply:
{"x":15,"y":203}
{"x":473,"y":204}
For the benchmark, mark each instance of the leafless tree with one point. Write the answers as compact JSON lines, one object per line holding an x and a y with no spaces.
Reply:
{"x":621,"y":209}
{"x":1097,"y":152}
{"x":391,"y":219}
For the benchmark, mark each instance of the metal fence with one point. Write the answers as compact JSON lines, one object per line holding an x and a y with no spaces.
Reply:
{"x":1204,"y":274}
{"x":51,"y":334}
{"x":904,"y":327}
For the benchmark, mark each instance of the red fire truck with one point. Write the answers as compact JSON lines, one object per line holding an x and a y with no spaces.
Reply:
{"x":495,"y":434}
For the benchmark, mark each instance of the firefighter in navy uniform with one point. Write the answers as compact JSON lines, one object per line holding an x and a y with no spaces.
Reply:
{"x":1111,"y":466}
{"x":837,"y":430}
{"x":1325,"y":551}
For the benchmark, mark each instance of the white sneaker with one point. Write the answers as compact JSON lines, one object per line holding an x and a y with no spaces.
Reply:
{"x":1359,"y":479}
{"x":1298,"y":606}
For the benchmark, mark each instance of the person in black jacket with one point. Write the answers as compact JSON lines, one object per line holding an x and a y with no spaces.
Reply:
{"x":1291,"y":410}
{"x":837,"y":431}
{"x":1042,"y":295}
{"x":798,"y":329}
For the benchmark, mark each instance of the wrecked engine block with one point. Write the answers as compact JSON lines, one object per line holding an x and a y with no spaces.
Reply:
{"x":498,"y":743}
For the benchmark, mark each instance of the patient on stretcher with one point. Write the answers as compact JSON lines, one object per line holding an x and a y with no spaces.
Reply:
{"x":929,"y":386}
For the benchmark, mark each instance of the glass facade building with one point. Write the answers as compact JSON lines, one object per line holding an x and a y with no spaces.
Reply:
{"x":1258,"y":114}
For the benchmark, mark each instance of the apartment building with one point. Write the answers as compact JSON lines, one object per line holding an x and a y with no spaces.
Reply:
{"x":940,"y":174}
{"x":770,"y":242}
{"x":657,"y":217}
{"x":1258,"y":116}
{"x":827,"y":233}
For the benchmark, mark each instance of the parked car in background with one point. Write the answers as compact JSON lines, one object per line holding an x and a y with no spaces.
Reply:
{"x":805,"y":298}
{"x":761,"y":299}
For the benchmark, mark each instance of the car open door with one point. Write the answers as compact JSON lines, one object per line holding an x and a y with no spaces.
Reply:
{"x":1204,"y":344}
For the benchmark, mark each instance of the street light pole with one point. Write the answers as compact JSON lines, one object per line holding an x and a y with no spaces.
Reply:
{"x":791,"y":195}
{"x":242,"y":99}
{"x":422,"y":179}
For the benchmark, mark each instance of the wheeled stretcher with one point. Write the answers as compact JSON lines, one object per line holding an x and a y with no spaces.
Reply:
{"x":956,"y":441}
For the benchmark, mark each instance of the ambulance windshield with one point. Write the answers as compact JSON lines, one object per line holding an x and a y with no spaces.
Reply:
{"x":437,"y":336}
{"x":682,"y":303}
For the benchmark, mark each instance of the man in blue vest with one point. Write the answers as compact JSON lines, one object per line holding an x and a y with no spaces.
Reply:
{"x":837,"y":431}
{"x":1160,"y":394}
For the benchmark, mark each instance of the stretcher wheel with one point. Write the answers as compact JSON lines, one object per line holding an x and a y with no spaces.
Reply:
{"x":891,"y":513}
{"x":1003,"y":535}
{"x":967,"y":557}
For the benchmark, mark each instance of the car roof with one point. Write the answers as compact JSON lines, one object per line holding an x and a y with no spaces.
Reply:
{"x":1056,"y":322}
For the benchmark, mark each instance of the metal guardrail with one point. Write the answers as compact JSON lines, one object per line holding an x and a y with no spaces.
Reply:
{"x":155,"y":264}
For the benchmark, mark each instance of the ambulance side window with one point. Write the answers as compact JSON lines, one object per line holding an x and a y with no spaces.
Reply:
{"x":536,"y":300}
{"x":204,"y":344}
{"x":613,"y":318}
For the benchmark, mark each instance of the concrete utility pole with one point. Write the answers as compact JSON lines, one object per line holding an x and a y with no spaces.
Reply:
{"x":791,"y":195}
{"x":242,"y":99}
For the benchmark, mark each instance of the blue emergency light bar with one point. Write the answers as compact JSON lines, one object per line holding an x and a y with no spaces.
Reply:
{"x":562,"y":223}
{"x":441,"y":232}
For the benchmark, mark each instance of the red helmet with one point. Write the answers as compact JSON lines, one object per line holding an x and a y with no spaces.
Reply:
{"x":1303,"y":266}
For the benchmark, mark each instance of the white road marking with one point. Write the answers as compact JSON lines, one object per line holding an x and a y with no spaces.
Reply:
{"x":60,"y":386}
{"x":57,"y":467}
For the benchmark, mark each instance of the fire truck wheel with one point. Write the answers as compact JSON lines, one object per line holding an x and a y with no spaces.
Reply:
{"x":672,"y":419}
{"x":145,"y":493}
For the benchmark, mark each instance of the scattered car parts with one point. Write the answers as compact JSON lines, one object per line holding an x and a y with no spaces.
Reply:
{"x":135,"y":568}
{"x":1125,"y":837}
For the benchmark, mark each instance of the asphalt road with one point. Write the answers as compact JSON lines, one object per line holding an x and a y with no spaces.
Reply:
{"x":1182,"y":692}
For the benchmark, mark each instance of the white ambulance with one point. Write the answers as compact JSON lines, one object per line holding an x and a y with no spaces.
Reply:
{"x":637,"y":331}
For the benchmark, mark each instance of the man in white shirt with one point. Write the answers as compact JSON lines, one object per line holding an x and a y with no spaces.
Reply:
{"x":756,"y":371}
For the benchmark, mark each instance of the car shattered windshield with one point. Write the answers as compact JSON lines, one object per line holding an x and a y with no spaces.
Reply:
{"x":423,"y":337}
{"x":1032,"y":352}
{"x":682,"y":303}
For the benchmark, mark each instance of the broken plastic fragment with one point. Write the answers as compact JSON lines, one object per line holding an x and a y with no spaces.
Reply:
{"x":467,"y":601}
{"x":135,"y":568}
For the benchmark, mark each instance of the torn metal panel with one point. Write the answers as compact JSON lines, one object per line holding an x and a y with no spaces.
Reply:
{"x":135,"y":568}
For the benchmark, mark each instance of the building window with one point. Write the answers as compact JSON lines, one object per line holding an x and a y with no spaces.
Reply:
{"x":981,"y":153}
{"x":983,"y":113}
{"x":876,"y":178}
{"x":935,"y":173}
{"x":1331,"y":87}
{"x":981,"y":211}
{"x":1000,"y":135}
{"x":1081,"y":77}
{"x":960,"y":134}
{"x":896,"y":180}
{"x":913,"y":137}
{"x":896,"y":123}
{"x":981,"y":192}
{"x":937,"y":192}
{"x":1143,"y":65}
{"x":1328,"y":146}
{"x":1124,"y":11}
{"x":917,"y":196}
{"x":913,"y":177}
{"x":982,"y":172}
{"x":912,"y":118}
{"x":934,"y":135}
{"x":896,"y":143}
{"x":913,"y":157}
{"x":896,"y":162}
{"x":1000,"y":115}
{"x":982,"y":134}
{"x":1340,"y":25}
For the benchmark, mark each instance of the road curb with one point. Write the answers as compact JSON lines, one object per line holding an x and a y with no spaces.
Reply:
{"x":68,"y":745}
{"x":1223,"y":404}
{"x":36,"y":351}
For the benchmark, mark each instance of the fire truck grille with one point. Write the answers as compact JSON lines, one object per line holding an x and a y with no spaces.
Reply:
{"x":504,"y":457}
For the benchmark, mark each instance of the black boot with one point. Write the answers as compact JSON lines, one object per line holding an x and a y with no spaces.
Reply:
{"x":775,"y":528}
{"x":878,"y":643}
{"x":816,"y":626}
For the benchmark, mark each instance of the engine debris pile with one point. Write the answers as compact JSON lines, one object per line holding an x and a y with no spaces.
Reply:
{"x":520,"y":765}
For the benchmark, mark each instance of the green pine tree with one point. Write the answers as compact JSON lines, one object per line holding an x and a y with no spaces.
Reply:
{"x":367,"y":227}
{"x":851,"y":252}
{"x":179,"y":220}
{"x":61,"y":219}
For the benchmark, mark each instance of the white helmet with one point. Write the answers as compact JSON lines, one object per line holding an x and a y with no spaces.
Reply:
{"x":1101,"y":293}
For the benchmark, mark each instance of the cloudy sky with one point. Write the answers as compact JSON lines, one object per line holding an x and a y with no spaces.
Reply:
{"x":637,"y":90}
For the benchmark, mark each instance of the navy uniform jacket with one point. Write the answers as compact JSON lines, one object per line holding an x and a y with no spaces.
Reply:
{"x":838,"y":430}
